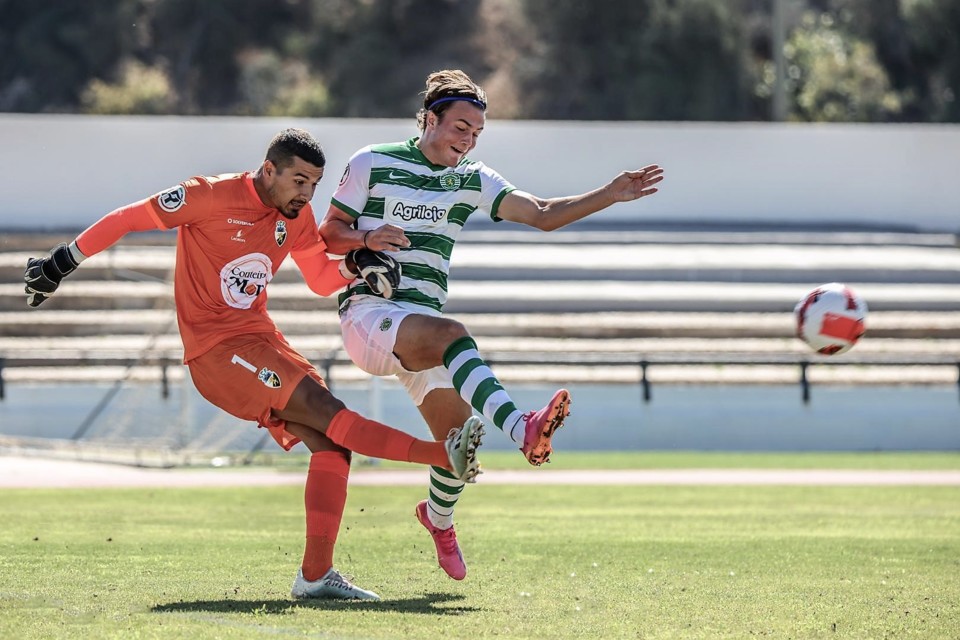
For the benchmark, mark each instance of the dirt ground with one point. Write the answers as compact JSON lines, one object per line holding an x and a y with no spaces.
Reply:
{"x":35,"y":472}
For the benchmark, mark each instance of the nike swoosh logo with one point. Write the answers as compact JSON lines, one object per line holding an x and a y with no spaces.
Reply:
{"x":396,"y":176}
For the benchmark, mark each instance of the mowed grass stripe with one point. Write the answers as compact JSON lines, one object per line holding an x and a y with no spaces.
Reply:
{"x":557,"y":562}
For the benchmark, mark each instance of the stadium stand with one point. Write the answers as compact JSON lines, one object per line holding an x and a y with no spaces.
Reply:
{"x":591,"y":305}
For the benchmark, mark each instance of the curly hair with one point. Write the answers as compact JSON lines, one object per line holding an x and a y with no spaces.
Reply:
{"x":291,"y":143}
{"x":449,"y":83}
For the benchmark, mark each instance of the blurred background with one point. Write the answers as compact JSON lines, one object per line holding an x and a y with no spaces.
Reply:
{"x":804,"y":141}
{"x":664,"y":60}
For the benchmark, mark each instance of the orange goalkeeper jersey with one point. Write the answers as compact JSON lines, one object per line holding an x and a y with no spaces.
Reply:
{"x":229,"y":246}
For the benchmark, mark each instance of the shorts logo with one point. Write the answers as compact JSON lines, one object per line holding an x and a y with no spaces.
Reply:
{"x":385,"y":324}
{"x":450,"y":181}
{"x":244,"y":279}
{"x":172,"y":199}
{"x":269,"y":378}
{"x":280,"y":233}
{"x":346,"y":174}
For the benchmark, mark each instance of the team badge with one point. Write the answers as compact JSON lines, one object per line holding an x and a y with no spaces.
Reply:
{"x":450,"y":181}
{"x":346,"y":174}
{"x":172,"y":199}
{"x":386,"y":324}
{"x":280,"y":233}
{"x":269,"y":378}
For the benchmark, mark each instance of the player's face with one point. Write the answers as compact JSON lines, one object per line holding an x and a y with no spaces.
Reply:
{"x":292,"y":188}
{"x":448,"y":138}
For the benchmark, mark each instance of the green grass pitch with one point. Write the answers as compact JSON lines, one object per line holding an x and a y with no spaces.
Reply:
{"x":544,"y":562}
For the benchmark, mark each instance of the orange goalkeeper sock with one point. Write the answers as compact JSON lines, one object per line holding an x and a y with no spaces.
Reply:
{"x":352,"y":431}
{"x":324,"y":497}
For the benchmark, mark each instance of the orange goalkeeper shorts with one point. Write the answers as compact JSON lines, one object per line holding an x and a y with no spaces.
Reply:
{"x":249,"y":376}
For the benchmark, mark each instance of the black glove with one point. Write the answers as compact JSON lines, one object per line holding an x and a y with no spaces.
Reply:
{"x":378,"y":270}
{"x":43,"y":275}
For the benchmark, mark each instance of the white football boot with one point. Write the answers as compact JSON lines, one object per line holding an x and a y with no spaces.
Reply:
{"x":461,"y":445}
{"x":332,"y":586}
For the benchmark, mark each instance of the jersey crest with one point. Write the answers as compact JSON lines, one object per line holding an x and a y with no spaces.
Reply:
{"x":450,"y":181}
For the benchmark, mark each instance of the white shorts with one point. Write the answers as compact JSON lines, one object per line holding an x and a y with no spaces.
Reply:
{"x":369,"y":334}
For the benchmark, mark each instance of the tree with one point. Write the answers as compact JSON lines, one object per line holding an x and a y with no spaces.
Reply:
{"x":637,"y":60}
{"x":934,"y":26}
{"x":835,"y":77}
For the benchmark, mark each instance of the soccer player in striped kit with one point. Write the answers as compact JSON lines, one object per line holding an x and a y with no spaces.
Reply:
{"x":234,"y":231}
{"x":413,"y":198}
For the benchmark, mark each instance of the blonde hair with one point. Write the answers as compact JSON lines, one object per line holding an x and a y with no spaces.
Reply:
{"x":445,"y":87}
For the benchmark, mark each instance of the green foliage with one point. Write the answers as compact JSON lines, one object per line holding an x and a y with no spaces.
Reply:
{"x":853,"y":60}
{"x":637,"y":60}
{"x":835,"y":77}
{"x":274,"y":87}
{"x":934,"y":35}
{"x":557,"y":562}
{"x":49,"y":51}
{"x":140,"y":90}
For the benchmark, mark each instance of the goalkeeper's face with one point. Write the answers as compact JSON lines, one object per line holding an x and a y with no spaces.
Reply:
{"x":291,"y":188}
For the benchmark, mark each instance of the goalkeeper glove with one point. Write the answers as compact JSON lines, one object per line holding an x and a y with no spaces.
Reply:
{"x":378,"y":270}
{"x":43,"y":275}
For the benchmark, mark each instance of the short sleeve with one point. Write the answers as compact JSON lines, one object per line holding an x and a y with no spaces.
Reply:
{"x":493,"y":188}
{"x":182,"y":204}
{"x":354,"y":189}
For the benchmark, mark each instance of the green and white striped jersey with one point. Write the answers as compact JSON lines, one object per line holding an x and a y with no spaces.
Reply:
{"x":396,"y":184}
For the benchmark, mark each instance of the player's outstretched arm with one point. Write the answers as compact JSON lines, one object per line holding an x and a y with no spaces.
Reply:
{"x":43,"y":276}
{"x":548,"y":214}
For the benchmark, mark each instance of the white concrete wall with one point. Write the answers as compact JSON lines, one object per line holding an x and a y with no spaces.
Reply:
{"x":66,"y":171}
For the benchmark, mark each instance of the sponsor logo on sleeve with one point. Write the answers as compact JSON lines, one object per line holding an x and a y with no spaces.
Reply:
{"x":172,"y":199}
{"x":346,"y":174}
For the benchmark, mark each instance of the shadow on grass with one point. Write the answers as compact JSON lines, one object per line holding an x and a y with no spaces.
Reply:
{"x":429,"y":603}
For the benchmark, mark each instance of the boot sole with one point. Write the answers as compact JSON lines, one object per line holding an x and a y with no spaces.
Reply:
{"x":559,"y":410}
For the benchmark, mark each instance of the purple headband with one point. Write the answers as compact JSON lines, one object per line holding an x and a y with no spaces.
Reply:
{"x":479,"y":103}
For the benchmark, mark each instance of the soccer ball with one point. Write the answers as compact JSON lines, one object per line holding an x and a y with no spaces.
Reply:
{"x":831,"y":318}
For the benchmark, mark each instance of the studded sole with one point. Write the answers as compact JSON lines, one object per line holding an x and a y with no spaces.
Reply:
{"x":473,"y":466}
{"x":541,"y":451}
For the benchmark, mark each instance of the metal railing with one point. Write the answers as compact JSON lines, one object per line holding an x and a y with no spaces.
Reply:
{"x":326,"y":361}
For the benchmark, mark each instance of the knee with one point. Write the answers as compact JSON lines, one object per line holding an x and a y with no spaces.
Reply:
{"x":324,"y":404}
{"x":452,"y":330}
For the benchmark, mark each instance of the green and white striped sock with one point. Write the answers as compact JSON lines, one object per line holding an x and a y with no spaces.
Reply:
{"x":442,"y":497}
{"x":475,"y":382}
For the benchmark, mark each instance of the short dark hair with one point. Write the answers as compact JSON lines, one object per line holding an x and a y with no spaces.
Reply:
{"x":449,"y":83}
{"x":291,"y":143}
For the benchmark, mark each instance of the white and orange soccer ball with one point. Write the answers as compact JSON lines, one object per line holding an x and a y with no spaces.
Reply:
{"x":831,"y":318}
